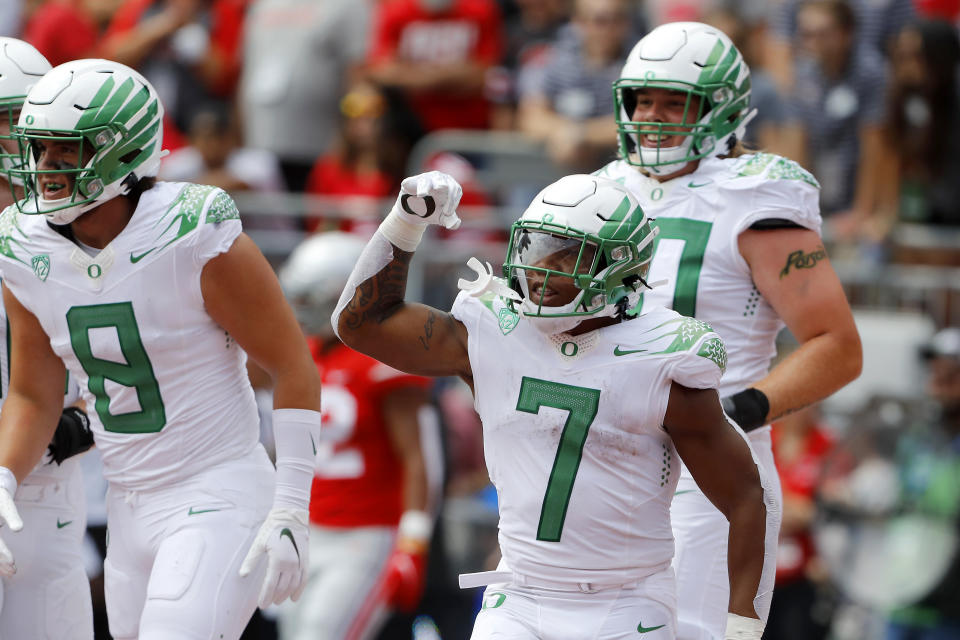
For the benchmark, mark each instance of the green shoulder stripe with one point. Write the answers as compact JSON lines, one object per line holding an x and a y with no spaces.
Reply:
{"x":223,"y":208}
{"x":776,"y":168}
{"x":11,"y":236}
{"x":713,"y":349}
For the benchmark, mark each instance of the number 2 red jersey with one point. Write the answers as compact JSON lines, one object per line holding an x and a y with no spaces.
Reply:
{"x":358,"y":479}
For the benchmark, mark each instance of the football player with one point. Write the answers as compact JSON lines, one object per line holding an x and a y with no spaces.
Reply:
{"x":50,"y":590}
{"x":375,"y":486}
{"x":740,"y":246}
{"x":586,"y":406}
{"x":152,"y":297}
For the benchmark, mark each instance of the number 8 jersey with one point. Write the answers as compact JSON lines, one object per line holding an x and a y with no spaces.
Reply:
{"x":165,"y":387}
{"x":573,"y":437}
{"x":700,"y":217}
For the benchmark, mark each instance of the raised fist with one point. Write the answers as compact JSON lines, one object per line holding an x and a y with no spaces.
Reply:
{"x":430,"y":198}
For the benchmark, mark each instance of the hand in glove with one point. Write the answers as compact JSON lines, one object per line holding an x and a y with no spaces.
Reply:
{"x":429,"y":198}
{"x":9,"y":517}
{"x":283,"y":539}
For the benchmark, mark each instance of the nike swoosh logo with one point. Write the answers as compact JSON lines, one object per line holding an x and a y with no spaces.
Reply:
{"x":135,"y":259}
{"x":193,"y":512}
{"x":643,"y":629}
{"x":677,"y":493}
{"x":618,"y":352}
{"x":694,"y":185}
{"x":61,"y":525}
{"x":313,"y":444}
{"x":289,"y":534}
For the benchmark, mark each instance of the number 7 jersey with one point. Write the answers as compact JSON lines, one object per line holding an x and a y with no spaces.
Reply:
{"x":165,"y":387}
{"x":573,"y":437}
{"x":700,"y":217}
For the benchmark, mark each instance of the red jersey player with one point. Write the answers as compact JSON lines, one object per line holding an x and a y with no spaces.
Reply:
{"x":374,"y":482}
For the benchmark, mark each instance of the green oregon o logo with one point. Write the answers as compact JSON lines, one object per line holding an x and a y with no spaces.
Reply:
{"x":656,"y":194}
{"x":94,"y":271}
{"x":547,"y":217}
{"x":29,"y":119}
{"x":493,"y":600}
{"x":569,"y":349}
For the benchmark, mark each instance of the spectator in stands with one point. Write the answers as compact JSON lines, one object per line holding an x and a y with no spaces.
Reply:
{"x":878,"y":21}
{"x":747,"y":26}
{"x":800,"y":443}
{"x":297,"y":59}
{"x":65,"y":30}
{"x":215,"y":157}
{"x":568,"y":103}
{"x":11,"y":15}
{"x":438,"y":52}
{"x":529,"y":34}
{"x":355,"y":169}
{"x":930,"y":474}
{"x":836,"y":109}
{"x":919,"y":180}
{"x":188,"y":49}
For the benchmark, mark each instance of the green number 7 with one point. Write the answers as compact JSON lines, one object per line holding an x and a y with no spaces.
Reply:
{"x":582,"y":405}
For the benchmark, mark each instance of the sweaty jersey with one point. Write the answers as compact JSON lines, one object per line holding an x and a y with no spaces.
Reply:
{"x":165,"y":387}
{"x":700,"y":217}
{"x":358,"y":479}
{"x":573,"y":436}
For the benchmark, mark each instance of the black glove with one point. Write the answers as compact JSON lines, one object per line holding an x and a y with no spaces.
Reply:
{"x":748,"y":409}
{"x":73,"y":435}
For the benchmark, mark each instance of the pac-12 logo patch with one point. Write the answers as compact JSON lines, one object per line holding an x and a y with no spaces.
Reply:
{"x":508,"y":320}
{"x":41,"y":266}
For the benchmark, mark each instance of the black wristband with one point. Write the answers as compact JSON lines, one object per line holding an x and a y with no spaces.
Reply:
{"x":748,"y":409}
{"x":72,"y":436}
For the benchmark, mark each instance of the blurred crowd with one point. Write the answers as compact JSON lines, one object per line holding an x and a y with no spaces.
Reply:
{"x":331,"y":98}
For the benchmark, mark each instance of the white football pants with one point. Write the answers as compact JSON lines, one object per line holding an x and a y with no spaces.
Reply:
{"x":49,"y":596}
{"x":639,"y":612}
{"x":174,"y":554}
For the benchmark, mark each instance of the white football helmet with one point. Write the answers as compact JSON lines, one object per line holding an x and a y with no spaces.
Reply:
{"x":696,"y":59}
{"x":597,"y":227}
{"x":314,"y":275}
{"x":114,"y":115}
{"x":21,"y":67}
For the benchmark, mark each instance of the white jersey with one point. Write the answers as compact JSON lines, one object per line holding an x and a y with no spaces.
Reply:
{"x":700,"y":217}
{"x":45,"y":469}
{"x":165,"y":387}
{"x":573,"y":437}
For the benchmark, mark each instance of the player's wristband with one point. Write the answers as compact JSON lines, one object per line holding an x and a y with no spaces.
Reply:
{"x":742,"y":628}
{"x":8,"y":481}
{"x":749,"y":408}
{"x":293,"y":431}
{"x":401,"y":233}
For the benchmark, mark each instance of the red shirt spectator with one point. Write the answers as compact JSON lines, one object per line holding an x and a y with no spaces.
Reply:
{"x":439,"y":56}
{"x":62,"y":31}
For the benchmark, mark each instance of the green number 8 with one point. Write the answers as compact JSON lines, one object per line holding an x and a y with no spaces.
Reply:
{"x":136,"y":372}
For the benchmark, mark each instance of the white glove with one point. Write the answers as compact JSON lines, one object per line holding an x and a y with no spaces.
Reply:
{"x":430,"y":198}
{"x":741,"y":628}
{"x":10,"y":517}
{"x":283,"y":537}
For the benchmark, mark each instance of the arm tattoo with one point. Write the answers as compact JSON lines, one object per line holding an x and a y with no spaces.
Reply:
{"x":428,"y":330}
{"x":801,"y":260}
{"x":382,"y":295}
